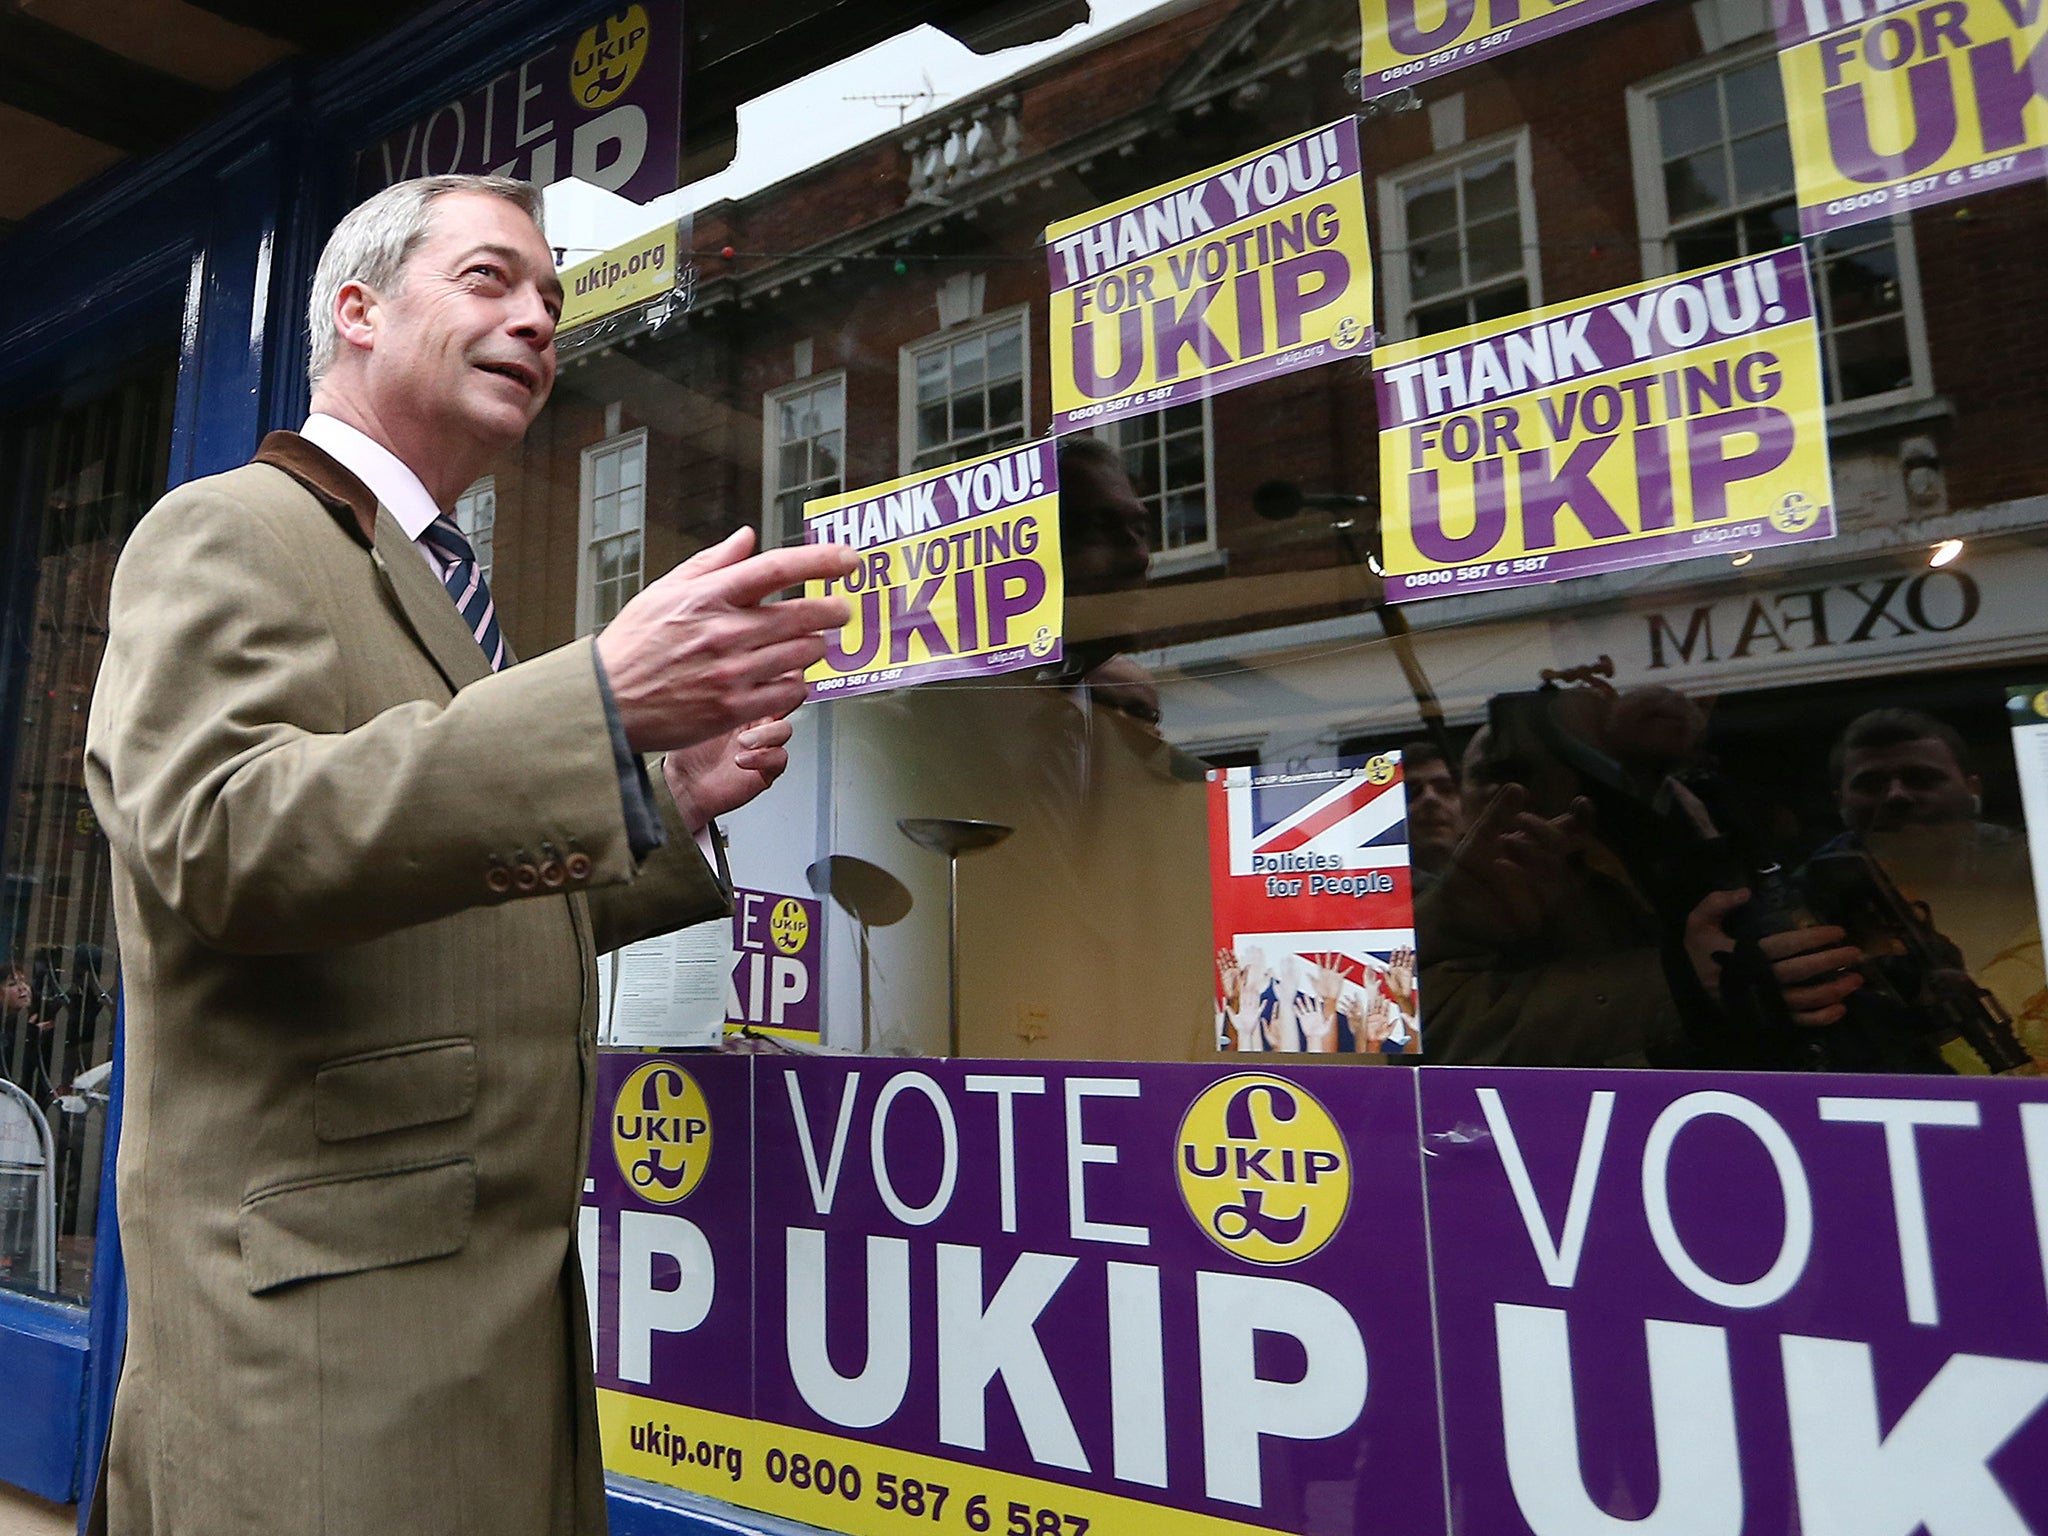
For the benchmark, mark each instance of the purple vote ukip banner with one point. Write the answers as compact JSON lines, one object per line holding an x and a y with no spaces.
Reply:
{"x":603,"y":103}
{"x":1049,"y":1298}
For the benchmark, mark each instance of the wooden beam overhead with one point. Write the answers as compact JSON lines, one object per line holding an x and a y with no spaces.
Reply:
{"x":315,"y":29}
{"x":49,"y":73}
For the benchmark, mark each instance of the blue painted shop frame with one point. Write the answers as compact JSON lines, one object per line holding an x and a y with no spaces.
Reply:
{"x":212,"y":242}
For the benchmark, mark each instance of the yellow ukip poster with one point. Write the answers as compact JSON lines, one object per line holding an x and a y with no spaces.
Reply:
{"x":644,"y":268}
{"x":1239,"y":273}
{"x":1893,"y":107}
{"x":959,"y":573}
{"x":1409,"y":41}
{"x":1663,"y":421}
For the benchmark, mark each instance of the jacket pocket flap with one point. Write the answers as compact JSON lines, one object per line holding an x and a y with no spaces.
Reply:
{"x":340,"y":1224}
{"x":390,"y":1090}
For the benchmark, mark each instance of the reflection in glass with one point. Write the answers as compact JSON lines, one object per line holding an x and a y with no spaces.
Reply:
{"x":1688,"y":119}
{"x":1696,"y":183}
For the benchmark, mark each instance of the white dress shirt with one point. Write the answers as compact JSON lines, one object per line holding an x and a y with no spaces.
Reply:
{"x":383,"y":471}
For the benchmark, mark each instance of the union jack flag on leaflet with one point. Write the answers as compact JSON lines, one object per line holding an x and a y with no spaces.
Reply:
{"x":1314,"y":916}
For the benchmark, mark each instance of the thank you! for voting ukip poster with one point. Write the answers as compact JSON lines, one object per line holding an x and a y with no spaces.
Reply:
{"x":1898,"y":106}
{"x":1315,"y":924}
{"x":1410,"y":41}
{"x":1670,"y":419}
{"x":1242,"y":272}
{"x":959,"y":573}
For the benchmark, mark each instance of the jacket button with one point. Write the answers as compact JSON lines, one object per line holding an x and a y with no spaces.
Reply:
{"x":578,"y":866}
{"x":526,"y":877}
{"x":499,"y":880}
{"x":552,"y":875}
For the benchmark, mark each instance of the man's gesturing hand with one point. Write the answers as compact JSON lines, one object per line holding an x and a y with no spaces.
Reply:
{"x":697,"y":655}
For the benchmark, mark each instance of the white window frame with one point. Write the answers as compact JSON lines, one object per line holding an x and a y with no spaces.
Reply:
{"x":1394,"y":221}
{"x":773,"y":535}
{"x":488,"y":485}
{"x":586,"y":575}
{"x":906,"y":374}
{"x":1653,"y":219}
{"x":1168,"y":562}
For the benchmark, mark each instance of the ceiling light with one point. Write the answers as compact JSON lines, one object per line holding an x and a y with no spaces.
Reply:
{"x":1944,"y":553}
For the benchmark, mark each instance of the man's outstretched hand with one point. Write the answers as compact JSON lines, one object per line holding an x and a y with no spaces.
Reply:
{"x":700,"y":658}
{"x":724,"y":773}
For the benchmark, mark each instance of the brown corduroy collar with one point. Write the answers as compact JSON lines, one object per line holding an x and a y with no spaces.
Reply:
{"x":353,"y":503}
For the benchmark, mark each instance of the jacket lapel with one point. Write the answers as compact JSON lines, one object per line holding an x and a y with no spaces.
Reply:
{"x":414,"y":590}
{"x":429,"y":612}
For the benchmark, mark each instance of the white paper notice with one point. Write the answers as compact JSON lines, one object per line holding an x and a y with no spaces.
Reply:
{"x":670,"y":991}
{"x":606,"y":965}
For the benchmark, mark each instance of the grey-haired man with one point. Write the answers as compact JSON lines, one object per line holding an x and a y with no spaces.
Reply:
{"x":362,"y":868}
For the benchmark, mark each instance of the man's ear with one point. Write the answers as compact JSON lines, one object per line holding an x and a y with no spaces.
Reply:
{"x":356,"y":314}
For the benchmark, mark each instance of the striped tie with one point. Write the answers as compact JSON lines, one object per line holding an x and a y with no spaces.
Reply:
{"x":465,"y":583}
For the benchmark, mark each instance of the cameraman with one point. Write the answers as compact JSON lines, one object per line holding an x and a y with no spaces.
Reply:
{"x":1909,"y":794}
{"x":1542,"y":945}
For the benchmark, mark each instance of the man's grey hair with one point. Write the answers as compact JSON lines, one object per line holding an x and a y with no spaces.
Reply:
{"x":376,"y":238}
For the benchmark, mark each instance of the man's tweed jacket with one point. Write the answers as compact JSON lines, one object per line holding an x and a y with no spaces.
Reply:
{"x":359,"y":886}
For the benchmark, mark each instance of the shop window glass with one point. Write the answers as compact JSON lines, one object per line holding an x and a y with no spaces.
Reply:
{"x":1722,"y":188}
{"x":94,"y":464}
{"x":1462,"y":241}
{"x":805,"y":450}
{"x":967,"y":391}
{"x":614,"y":522}
{"x":476,"y":514}
{"x":1224,"y":606}
{"x":1167,"y":456}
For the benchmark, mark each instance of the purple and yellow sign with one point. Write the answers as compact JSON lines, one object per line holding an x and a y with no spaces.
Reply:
{"x":1892,"y":107}
{"x":1675,"y":418}
{"x":1741,"y":1305}
{"x":959,"y":574}
{"x":603,"y":104}
{"x":1242,"y":272}
{"x":1091,"y":1297}
{"x":778,"y":953}
{"x":895,"y":1298}
{"x":1409,"y":41}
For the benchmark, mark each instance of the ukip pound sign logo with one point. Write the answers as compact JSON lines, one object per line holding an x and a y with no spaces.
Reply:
{"x":607,"y":57}
{"x":1264,"y":1169}
{"x":789,"y":926}
{"x":1794,"y":514}
{"x":661,"y":1132}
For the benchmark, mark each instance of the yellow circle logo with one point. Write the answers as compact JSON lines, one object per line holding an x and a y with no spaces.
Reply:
{"x":1264,"y":1169}
{"x":1349,"y":333}
{"x":1794,"y":514}
{"x":607,"y":57}
{"x":2040,"y":708}
{"x":1380,"y":771}
{"x":661,"y":1132}
{"x":789,"y":925}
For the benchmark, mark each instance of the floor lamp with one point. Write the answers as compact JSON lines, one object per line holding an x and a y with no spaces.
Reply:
{"x":953,"y":836}
{"x":872,"y":897}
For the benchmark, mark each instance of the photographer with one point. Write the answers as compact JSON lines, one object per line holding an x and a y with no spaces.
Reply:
{"x":1558,"y":937}
{"x":1911,"y":801}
